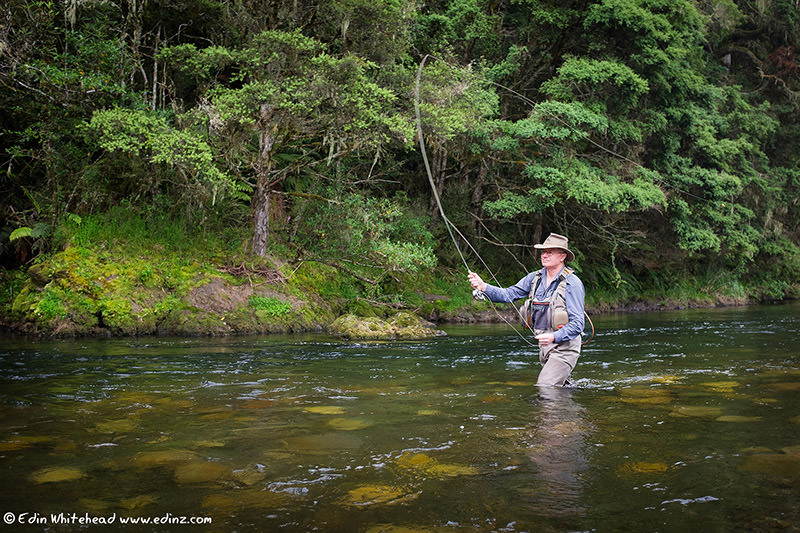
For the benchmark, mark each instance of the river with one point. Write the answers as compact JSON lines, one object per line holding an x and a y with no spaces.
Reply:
{"x":676,"y":421}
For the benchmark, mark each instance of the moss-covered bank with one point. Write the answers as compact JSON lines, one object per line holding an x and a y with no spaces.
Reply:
{"x":82,"y":291}
{"x":110,"y":291}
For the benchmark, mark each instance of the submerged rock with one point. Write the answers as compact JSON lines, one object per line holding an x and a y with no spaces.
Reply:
{"x":403,"y":325}
{"x":164,"y":457}
{"x":737,"y":418}
{"x":646,"y":396}
{"x":415,"y":461}
{"x":57,"y":474}
{"x":199,"y":472}
{"x":667,"y":380}
{"x":721,"y":386}
{"x":777,"y":465}
{"x":137,"y":502}
{"x":426,"y":466}
{"x":700,"y":411}
{"x":442,"y":470}
{"x":220,"y":503}
{"x":643,"y":467}
{"x":377,"y":495}
{"x":519,"y":383}
{"x":325,"y":409}
{"x":248,"y":476}
{"x":94,"y":505}
{"x":123,"y":425}
{"x":210,"y":444}
{"x":22,"y":442}
{"x":348,"y":424}
{"x":321,"y":444}
{"x":226,"y":503}
{"x":786,"y":386}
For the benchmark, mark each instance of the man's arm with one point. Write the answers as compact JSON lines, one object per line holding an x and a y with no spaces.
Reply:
{"x":519,"y":290}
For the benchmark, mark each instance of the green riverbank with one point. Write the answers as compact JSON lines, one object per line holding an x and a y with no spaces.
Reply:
{"x":116,"y":289}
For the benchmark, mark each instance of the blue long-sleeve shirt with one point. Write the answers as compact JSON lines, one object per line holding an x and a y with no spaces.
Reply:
{"x":574,"y":296}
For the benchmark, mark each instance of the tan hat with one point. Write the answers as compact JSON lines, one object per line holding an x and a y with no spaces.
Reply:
{"x":554,"y":240}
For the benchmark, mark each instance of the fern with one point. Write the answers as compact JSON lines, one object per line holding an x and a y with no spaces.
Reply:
{"x":39,"y":230}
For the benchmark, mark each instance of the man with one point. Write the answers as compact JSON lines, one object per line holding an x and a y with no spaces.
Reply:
{"x":556,"y":308}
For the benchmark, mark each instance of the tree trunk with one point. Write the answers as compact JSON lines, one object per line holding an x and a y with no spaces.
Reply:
{"x":263,"y":168}
{"x":261,"y":218}
{"x":477,"y":197}
{"x":439,"y":166}
{"x":537,"y":235}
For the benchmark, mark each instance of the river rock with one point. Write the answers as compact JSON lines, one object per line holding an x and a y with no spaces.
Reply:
{"x":158,"y":458}
{"x":643,"y":467}
{"x":701,"y":411}
{"x":426,"y":466}
{"x":199,"y":472}
{"x":737,"y":418}
{"x":646,"y":396}
{"x":321,"y":444}
{"x":137,"y":502}
{"x":325,"y":409}
{"x":248,"y":476}
{"x":403,"y":325}
{"x":378,"y":495}
{"x":779,"y":465}
{"x":348,"y":424}
{"x":56,"y":474}
{"x":22,"y":442}
{"x":122,"y":425}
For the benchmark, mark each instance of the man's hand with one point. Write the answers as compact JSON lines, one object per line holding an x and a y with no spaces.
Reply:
{"x":545,"y":339}
{"x":476,"y":282}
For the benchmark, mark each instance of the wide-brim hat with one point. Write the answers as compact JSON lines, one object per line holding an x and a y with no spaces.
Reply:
{"x":554,"y":240}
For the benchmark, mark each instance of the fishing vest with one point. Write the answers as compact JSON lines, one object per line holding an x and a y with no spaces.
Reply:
{"x":541,"y":316}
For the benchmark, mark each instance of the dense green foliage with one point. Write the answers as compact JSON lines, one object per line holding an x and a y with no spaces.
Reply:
{"x":661,"y":136}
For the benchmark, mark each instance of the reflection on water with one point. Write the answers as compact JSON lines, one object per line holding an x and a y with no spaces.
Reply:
{"x":677,"y":420}
{"x":559,"y":449}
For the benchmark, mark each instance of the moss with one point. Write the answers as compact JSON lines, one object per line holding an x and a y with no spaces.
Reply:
{"x":323,"y":280}
{"x":79,"y":290}
{"x":363,"y":308}
{"x":242,"y":320}
{"x":405,"y":319}
{"x":192,"y":322}
{"x":115,"y":313}
{"x":403,"y":325}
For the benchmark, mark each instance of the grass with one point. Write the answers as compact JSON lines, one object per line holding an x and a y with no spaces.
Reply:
{"x":136,"y":232}
{"x":272,"y":306}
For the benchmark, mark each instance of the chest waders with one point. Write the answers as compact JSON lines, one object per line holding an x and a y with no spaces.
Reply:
{"x":542,"y":316}
{"x":550,"y":315}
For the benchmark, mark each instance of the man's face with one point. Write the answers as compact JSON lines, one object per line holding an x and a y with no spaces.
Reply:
{"x":553,"y":257}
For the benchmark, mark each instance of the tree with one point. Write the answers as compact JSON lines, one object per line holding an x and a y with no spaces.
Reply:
{"x":456,"y":104}
{"x":280,"y":89}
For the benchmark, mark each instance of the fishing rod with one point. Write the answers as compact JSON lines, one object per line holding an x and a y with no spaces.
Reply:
{"x":451,"y":227}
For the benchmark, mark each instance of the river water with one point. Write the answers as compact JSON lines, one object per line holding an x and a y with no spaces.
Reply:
{"x":677,"y":421}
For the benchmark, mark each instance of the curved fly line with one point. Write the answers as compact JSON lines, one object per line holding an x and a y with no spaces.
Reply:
{"x":451,"y":228}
